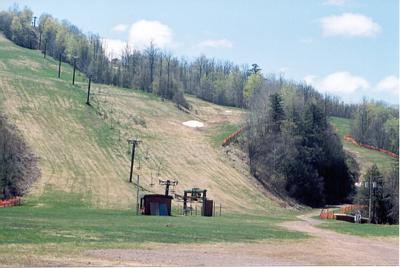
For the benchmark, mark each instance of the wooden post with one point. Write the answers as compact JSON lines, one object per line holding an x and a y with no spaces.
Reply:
{"x":196,"y":209}
{"x":134,"y":142}
{"x":220,"y":209}
{"x":184,"y":209}
{"x":137,"y":195}
{"x":132,"y":160}
{"x":73,"y":74}
{"x":370,"y":200}
{"x":88,"y":92}
{"x":213,"y":209}
{"x":59,"y":66}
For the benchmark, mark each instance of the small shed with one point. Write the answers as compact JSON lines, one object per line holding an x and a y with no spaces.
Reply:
{"x":156,"y":205}
{"x":207,"y":210}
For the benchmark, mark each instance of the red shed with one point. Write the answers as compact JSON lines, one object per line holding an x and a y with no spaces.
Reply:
{"x":156,"y":204}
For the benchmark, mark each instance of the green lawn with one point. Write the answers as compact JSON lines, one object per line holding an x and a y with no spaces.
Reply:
{"x":360,"y":229}
{"x":219,"y":133}
{"x":58,"y":217}
{"x":365,"y":157}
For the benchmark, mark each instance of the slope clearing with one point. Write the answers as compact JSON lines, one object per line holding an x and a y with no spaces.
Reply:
{"x":364,"y":157}
{"x":83,"y":149}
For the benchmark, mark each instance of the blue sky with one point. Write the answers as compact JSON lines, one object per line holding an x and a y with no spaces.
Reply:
{"x":347,"y":48}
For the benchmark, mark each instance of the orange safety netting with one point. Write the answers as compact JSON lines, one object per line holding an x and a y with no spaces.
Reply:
{"x":352,"y":140}
{"x":16,"y":201}
{"x":326,"y":214}
{"x":228,"y":139}
{"x":349,"y":208}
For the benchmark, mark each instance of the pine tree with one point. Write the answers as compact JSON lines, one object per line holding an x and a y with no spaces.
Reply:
{"x":277,"y":114}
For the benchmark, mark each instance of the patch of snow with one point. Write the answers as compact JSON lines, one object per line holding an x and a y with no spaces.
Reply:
{"x":227,"y":111}
{"x":193,"y":123}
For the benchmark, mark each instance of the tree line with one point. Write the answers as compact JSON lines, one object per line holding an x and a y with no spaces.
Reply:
{"x":151,"y":70}
{"x":18,"y":165}
{"x":292,"y":148}
{"x":378,"y":125}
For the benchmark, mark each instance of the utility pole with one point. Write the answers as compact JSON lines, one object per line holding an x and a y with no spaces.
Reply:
{"x":137,"y":195}
{"x":59,"y":66}
{"x":167,"y":183}
{"x":73,"y":74}
{"x":370,"y":199}
{"x":134,"y":143}
{"x":88,"y":91}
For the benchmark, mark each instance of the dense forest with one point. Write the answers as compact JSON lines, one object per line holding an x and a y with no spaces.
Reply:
{"x":293,"y":149}
{"x":377,"y":125}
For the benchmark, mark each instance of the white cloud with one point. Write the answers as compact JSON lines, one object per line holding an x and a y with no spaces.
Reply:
{"x":215,"y":43}
{"x":113,"y":47}
{"x":339,"y":83}
{"x":143,"y":32}
{"x":335,"y":2}
{"x":120,"y":28}
{"x":349,"y":24}
{"x":389,"y":84}
{"x":353,"y":88}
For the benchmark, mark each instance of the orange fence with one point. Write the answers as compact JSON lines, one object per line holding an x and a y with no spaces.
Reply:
{"x":326,"y":214}
{"x":228,"y":139}
{"x":16,"y":201}
{"x":349,"y":208}
{"x":352,"y":140}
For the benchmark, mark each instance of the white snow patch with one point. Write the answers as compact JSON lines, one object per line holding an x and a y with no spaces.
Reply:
{"x":228,"y":112}
{"x":193,"y":123}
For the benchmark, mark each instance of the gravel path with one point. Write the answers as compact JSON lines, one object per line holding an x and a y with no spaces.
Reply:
{"x":324,"y":248}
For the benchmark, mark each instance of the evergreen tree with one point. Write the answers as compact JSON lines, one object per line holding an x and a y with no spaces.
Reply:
{"x":277,"y":113}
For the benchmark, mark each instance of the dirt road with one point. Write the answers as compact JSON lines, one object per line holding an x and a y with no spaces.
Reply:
{"x":324,"y":248}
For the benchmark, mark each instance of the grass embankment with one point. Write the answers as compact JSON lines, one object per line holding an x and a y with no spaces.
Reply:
{"x":360,"y":229}
{"x":364,"y":157}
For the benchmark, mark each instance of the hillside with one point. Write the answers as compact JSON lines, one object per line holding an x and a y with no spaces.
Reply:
{"x":364,"y":157}
{"x":83,"y":149}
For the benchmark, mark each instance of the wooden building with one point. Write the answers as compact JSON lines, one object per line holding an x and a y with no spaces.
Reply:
{"x":156,"y":205}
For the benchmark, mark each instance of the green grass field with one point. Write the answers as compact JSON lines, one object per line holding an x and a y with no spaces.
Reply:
{"x":59,"y":225}
{"x":63,"y":218}
{"x":365,"y":157}
{"x":360,"y":229}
